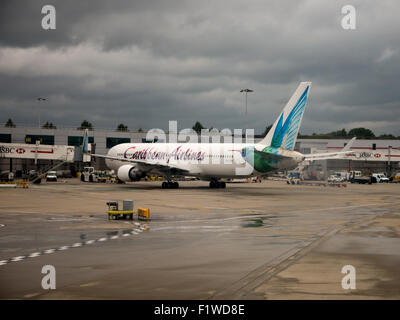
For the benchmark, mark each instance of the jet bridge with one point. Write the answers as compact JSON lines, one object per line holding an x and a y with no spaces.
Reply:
{"x":37,"y":151}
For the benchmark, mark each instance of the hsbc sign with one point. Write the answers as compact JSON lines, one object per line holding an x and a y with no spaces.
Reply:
{"x":33,"y":151}
{"x":373,"y":156}
{"x":364,"y":155}
{"x":6,"y":149}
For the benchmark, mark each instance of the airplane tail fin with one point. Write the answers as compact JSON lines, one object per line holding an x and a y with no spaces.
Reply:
{"x":85,"y":143}
{"x":283,"y":133}
{"x":86,"y":147}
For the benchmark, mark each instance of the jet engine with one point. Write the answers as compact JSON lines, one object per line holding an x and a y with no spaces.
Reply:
{"x":129,"y":172}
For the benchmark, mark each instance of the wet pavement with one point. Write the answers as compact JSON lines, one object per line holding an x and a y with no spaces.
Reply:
{"x":249,"y":241}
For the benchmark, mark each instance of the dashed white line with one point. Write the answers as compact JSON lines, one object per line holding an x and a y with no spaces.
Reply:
{"x":18,"y":258}
{"x":134,"y":231}
{"x":35,"y":254}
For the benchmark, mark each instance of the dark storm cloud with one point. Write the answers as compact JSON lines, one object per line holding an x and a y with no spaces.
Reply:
{"x":147,"y":62}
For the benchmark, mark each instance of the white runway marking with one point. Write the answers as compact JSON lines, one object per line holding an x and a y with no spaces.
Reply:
{"x":134,"y":231}
{"x":18,"y":258}
{"x":35,"y":254}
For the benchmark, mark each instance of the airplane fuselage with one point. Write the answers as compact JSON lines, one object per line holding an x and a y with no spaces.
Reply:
{"x":205,"y":160}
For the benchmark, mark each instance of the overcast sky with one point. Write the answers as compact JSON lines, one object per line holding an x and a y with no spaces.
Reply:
{"x":144,"y":62}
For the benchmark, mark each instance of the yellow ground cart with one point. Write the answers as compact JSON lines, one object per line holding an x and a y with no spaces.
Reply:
{"x":114,"y":213}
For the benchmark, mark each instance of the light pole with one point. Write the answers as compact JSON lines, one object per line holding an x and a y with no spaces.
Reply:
{"x":40,"y":99}
{"x":246,"y":91}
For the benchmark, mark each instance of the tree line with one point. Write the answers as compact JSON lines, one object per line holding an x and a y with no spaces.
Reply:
{"x":85,"y":124}
{"x":360,"y":133}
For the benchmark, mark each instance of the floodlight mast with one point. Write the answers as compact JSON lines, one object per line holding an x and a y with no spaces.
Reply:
{"x":246,"y":91}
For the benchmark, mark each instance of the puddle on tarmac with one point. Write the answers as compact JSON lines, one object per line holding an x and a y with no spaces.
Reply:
{"x":67,"y":219}
{"x":112,"y":233}
{"x":256,"y":223}
{"x":253,"y":223}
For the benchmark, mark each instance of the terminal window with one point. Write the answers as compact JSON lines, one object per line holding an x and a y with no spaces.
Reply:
{"x":111,"y":142}
{"x":144,"y":140}
{"x":77,"y":141}
{"x":32,"y":138}
{"x":5,"y":137}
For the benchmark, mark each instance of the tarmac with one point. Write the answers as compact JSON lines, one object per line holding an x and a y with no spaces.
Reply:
{"x":264,"y":240}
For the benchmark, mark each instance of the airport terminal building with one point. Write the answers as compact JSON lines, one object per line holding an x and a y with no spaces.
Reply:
{"x":368,"y":155}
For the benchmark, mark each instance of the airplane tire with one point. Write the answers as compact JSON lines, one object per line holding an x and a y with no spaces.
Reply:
{"x":164,"y":185}
{"x":175,"y":185}
{"x":222,"y":185}
{"x":213,"y":184}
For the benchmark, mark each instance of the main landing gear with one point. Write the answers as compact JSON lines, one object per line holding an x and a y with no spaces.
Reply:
{"x":170,"y":185}
{"x":217,"y":184}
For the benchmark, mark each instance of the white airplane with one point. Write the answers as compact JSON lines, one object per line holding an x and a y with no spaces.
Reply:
{"x":214,"y":161}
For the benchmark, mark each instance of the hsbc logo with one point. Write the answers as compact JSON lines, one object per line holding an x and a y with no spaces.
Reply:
{"x":20,"y":150}
{"x":365,"y":155}
{"x":4,"y":149}
{"x":377,"y":155}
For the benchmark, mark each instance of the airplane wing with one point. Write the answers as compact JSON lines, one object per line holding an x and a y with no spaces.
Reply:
{"x":168,"y":169}
{"x":330,"y":155}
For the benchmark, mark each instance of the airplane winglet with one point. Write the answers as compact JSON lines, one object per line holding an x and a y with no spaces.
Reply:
{"x":349,"y":144}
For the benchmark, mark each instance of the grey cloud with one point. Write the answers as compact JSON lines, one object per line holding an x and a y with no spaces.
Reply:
{"x":147,"y":62}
